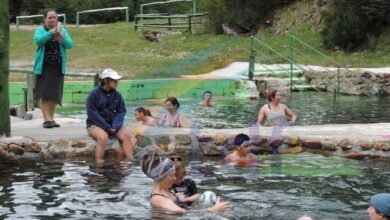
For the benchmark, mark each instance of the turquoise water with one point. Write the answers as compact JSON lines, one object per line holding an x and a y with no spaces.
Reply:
{"x":281,"y":187}
{"x":311,"y":108}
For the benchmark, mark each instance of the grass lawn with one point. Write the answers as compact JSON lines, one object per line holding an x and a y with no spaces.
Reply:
{"x":119,"y":47}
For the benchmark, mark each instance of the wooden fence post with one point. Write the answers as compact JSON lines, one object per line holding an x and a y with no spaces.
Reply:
{"x":5,"y":124}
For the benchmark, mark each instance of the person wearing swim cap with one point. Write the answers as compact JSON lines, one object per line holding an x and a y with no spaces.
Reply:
{"x":379,"y":208}
{"x":162,"y":170}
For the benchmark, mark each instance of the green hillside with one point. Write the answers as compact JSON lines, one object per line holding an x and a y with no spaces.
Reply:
{"x":119,"y":47}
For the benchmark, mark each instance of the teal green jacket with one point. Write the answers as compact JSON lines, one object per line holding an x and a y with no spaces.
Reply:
{"x":41,"y":36}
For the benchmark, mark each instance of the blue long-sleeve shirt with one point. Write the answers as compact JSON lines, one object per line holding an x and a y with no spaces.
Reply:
{"x":106,"y":109}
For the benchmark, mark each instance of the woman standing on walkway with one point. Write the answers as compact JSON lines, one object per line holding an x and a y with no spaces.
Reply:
{"x":50,"y":65}
{"x":275,"y":113}
{"x":173,"y":118}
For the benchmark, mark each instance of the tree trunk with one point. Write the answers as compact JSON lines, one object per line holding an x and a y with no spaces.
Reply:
{"x":5,"y":128}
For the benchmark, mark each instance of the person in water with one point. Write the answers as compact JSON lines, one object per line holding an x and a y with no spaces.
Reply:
{"x":144,"y":115}
{"x":173,"y":118}
{"x":275,"y":113}
{"x":184,"y":188}
{"x":379,"y":208}
{"x":207,"y":96}
{"x":162,"y":170}
{"x":241,"y":156}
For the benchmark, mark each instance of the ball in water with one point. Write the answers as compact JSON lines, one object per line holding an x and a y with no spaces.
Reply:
{"x":208,"y":198}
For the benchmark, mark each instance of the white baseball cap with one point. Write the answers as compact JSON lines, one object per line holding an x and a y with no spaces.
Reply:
{"x":110,"y":73}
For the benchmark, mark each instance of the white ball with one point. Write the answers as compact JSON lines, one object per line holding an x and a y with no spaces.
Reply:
{"x":208,"y":198}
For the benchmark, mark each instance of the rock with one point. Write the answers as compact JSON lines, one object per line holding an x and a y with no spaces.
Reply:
{"x":380,"y":145}
{"x":182,"y":149}
{"x":162,"y":140}
{"x":354,"y":155}
{"x":276,"y":142}
{"x":220,"y":139}
{"x":152,"y":36}
{"x":16,"y":149}
{"x":210,"y":149}
{"x":205,"y":139}
{"x":143,"y":141}
{"x":261,"y":141}
{"x":314,"y":143}
{"x":292,"y":140}
{"x":295,"y":150}
{"x":329,"y":145}
{"x":183,"y":139}
{"x":234,"y":29}
{"x":3,"y":152}
{"x":260,"y":149}
{"x":33,"y":146}
{"x":364,"y":144}
{"x":386,"y":75}
{"x":346,"y":144}
{"x":79,"y":144}
{"x":166,"y":147}
{"x":60,"y":144}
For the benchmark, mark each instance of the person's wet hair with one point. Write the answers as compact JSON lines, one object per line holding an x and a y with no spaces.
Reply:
{"x":144,"y":111}
{"x":272,"y":95}
{"x":46,"y":11}
{"x":241,"y":138}
{"x":180,"y":168}
{"x":207,"y":92}
{"x":174,"y":101}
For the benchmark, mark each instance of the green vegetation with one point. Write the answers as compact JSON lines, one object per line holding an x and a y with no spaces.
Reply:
{"x":120,"y":47}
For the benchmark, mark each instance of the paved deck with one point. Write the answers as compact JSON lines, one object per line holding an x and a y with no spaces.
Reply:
{"x":74,"y":129}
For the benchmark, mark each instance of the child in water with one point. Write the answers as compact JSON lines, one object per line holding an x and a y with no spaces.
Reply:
{"x":242,"y":155}
{"x":185,"y":189}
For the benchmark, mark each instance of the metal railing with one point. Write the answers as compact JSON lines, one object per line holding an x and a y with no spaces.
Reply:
{"x":29,"y":99}
{"x":295,"y":48}
{"x":35,"y":16}
{"x":101,"y":9}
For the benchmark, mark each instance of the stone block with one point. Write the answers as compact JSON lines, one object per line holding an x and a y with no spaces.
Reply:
{"x":205,"y":138}
{"x":354,"y":155}
{"x":220,"y":139}
{"x":182,"y":149}
{"x":183,"y":139}
{"x":16,"y":149}
{"x":346,"y":144}
{"x":143,"y":141}
{"x":381,"y":145}
{"x":295,"y":150}
{"x":260,"y":140}
{"x":3,"y":152}
{"x":330,"y":145}
{"x":60,"y":144}
{"x":79,"y":144}
{"x":210,"y":149}
{"x":276,"y":142}
{"x":364,"y":144}
{"x":292,"y":140}
{"x":162,"y":140}
{"x":312,"y":143}
{"x":33,"y":146}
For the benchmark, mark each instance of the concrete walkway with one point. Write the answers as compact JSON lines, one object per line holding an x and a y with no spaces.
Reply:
{"x":74,"y":129}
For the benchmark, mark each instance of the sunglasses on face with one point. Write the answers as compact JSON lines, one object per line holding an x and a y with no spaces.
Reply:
{"x":176,"y":158}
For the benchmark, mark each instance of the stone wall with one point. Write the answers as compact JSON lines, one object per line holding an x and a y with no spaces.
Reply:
{"x":189,"y":142}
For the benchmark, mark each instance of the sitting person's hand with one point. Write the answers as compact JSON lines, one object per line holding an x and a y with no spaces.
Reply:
{"x":181,"y":197}
{"x":111,"y":131}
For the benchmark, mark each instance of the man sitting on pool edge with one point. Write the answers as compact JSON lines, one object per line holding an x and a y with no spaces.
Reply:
{"x":106,"y":112}
{"x":242,"y":155}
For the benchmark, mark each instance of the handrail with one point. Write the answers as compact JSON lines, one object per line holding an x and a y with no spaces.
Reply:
{"x":101,"y":9}
{"x":35,"y":16}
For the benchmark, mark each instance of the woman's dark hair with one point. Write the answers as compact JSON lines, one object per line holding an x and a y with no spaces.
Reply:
{"x":207,"y":92}
{"x":174,"y":101}
{"x":46,"y":11}
{"x":241,"y":138}
{"x":272,"y":95}
{"x":144,"y":111}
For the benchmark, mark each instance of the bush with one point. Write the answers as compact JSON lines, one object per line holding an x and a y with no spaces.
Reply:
{"x":349,"y":24}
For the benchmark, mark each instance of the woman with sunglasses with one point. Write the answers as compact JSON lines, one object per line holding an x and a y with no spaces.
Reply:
{"x":241,"y":156}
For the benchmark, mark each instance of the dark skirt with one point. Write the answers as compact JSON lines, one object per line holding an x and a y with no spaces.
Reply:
{"x":49,"y":85}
